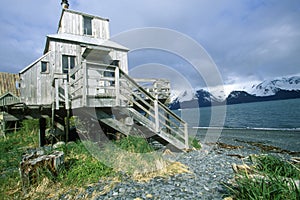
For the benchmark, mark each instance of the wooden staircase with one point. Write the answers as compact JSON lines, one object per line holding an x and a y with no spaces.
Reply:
{"x":126,"y":107}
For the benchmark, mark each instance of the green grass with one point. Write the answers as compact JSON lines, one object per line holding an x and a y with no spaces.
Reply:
{"x":81,"y":168}
{"x":275,"y":166}
{"x":274,"y":180}
{"x":132,"y":155}
{"x":195,"y":143}
{"x":134,"y":145}
{"x":11,"y":149}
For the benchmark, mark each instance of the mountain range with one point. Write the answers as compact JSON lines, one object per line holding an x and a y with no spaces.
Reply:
{"x":276,"y":89}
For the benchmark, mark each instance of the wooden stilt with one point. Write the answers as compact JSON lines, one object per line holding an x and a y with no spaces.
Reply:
{"x":67,"y":131}
{"x":42,"y":134}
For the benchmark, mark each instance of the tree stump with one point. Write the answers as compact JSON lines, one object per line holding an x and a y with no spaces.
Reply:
{"x":33,"y":165}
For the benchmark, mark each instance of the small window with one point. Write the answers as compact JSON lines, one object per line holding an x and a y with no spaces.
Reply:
{"x":44,"y":67}
{"x":87,"y":25}
{"x":68,"y":62}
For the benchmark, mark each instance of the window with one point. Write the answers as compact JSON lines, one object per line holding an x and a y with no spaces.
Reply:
{"x":87,"y":25}
{"x":44,"y":67}
{"x":68,"y":62}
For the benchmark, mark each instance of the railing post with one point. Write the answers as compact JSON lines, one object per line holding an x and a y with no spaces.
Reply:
{"x":117,"y":85}
{"x":67,"y":104}
{"x":156,"y":115}
{"x":186,"y":136}
{"x":56,"y":94}
{"x":84,"y":88}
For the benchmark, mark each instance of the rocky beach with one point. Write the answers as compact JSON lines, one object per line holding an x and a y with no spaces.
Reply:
{"x":210,"y":170}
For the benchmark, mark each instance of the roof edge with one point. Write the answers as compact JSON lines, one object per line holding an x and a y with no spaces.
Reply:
{"x":33,"y":63}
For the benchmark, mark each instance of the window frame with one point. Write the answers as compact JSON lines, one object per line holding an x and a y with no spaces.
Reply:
{"x":47,"y":71}
{"x":71,"y":63}
{"x":87,"y":25}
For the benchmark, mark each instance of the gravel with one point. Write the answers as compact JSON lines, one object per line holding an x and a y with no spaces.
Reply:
{"x":211,"y":171}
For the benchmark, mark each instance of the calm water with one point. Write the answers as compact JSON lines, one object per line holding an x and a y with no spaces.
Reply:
{"x":284,"y":114}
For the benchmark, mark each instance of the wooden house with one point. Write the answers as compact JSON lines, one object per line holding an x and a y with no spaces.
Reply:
{"x":82,"y":72}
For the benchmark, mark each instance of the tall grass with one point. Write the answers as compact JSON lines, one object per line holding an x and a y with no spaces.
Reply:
{"x":274,"y":179}
{"x":11,"y":149}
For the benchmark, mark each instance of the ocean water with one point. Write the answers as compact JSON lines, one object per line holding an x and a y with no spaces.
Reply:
{"x":282,"y":114}
{"x":275,"y":123}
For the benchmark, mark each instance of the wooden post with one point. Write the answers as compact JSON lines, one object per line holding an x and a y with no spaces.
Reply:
{"x":117,"y":85}
{"x":186,"y":136}
{"x":56,"y":94}
{"x":52,"y":117}
{"x":156,"y":115}
{"x":42,"y":134}
{"x":3,"y":128}
{"x":67,"y":126}
{"x":84,"y":87}
{"x":67,"y":105}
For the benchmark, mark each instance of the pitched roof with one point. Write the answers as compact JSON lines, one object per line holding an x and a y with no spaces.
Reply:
{"x":86,"y":40}
{"x":8,"y":83}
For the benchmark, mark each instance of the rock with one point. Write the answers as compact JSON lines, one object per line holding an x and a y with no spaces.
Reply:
{"x":149,"y":196}
{"x":58,"y":145}
{"x":115,"y":193}
{"x":122,"y":190}
{"x":228,"y":198}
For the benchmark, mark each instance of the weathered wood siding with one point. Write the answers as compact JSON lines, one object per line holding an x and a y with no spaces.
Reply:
{"x":8,"y":99}
{"x":72,"y":23}
{"x":122,"y":57}
{"x":8,"y":83}
{"x":36,"y":86}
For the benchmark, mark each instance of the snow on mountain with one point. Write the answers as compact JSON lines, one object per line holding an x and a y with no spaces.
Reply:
{"x":186,"y":95}
{"x":271,"y":87}
{"x":280,"y":88}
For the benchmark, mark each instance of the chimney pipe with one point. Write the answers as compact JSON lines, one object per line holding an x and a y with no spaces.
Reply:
{"x":65,"y":4}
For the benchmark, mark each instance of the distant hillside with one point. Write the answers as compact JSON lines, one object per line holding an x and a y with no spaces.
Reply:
{"x":8,"y":83}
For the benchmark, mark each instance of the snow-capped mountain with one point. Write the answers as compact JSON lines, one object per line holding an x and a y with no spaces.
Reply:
{"x":271,"y":87}
{"x":189,"y":99}
{"x":280,"y":88}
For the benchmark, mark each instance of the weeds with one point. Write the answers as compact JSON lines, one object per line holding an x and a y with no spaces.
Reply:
{"x":195,"y":143}
{"x":274,"y":179}
{"x":11,"y":150}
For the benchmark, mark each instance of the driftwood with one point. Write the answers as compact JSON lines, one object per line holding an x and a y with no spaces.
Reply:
{"x":34,"y":163}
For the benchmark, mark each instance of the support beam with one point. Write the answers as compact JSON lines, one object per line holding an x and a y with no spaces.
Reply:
{"x":67,"y":127}
{"x":42,"y":133}
{"x":117,"y":86}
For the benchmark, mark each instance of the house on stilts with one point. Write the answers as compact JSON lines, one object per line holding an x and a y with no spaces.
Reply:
{"x":83,"y":73}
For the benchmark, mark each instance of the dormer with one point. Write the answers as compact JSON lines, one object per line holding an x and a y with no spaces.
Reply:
{"x":77,"y":23}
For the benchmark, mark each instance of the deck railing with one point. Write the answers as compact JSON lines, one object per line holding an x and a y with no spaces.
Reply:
{"x":100,"y":81}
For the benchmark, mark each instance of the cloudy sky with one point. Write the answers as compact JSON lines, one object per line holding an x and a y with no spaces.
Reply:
{"x":249,"y":40}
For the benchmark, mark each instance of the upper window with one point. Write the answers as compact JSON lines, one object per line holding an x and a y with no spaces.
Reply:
{"x":44,"y":67}
{"x":87,"y":25}
{"x":68,"y":62}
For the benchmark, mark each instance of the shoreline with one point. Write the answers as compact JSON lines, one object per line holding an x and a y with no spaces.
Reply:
{"x":287,"y":140}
